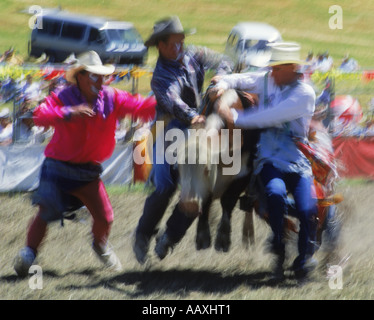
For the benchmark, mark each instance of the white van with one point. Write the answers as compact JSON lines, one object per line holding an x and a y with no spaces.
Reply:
{"x":247,"y":46}
{"x":60,"y":33}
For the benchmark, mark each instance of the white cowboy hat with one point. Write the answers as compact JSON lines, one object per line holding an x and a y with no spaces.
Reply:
{"x":91,"y":62}
{"x":285,"y":53}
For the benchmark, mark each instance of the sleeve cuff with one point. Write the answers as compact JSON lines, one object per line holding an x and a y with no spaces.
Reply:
{"x":192,"y":114}
{"x":235,"y":114}
{"x":222,"y":85}
{"x":66,"y":113}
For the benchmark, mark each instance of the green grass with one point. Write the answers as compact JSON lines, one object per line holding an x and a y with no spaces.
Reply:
{"x":72,"y":272}
{"x":137,"y":187}
{"x":304,"y":21}
{"x":354,"y":182}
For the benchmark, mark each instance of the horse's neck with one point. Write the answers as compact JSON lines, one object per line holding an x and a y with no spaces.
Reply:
{"x":214,"y":121}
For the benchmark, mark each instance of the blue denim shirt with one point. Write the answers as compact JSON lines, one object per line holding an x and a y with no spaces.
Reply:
{"x":178,"y":86}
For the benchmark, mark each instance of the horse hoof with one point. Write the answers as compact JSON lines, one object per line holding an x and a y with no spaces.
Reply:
{"x":203,"y":242}
{"x":222,"y":246}
{"x":223,"y":239}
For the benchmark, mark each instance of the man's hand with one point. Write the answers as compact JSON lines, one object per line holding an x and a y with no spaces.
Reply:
{"x":215,"y":79}
{"x":198,"y":121}
{"x":214,"y":92}
{"x":82,"y":110}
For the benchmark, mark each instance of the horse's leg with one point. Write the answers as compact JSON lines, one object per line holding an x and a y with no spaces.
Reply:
{"x":223,"y":238}
{"x":247,"y":204}
{"x":248,"y":230}
{"x":228,"y":202}
{"x":250,"y":139}
{"x":203,"y":238}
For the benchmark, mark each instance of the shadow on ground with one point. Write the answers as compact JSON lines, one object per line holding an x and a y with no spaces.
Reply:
{"x":142,"y":284}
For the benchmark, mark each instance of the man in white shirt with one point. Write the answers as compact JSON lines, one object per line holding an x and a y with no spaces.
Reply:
{"x":26,"y":131}
{"x":348,"y":64}
{"x":6,"y":128}
{"x":286,"y":106}
{"x":324,"y":63}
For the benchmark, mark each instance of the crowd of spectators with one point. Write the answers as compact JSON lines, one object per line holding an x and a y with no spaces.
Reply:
{"x":28,"y":92}
{"x":323,"y":62}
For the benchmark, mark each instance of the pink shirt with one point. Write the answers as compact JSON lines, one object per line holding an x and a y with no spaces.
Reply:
{"x":88,"y":139}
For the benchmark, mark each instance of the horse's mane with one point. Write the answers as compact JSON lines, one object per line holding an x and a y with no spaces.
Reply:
{"x":213,"y":126}
{"x":229,"y":99}
{"x":205,"y":147}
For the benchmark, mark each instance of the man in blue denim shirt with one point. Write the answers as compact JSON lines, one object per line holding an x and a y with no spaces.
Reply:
{"x":177,"y":84}
{"x":284,"y":113}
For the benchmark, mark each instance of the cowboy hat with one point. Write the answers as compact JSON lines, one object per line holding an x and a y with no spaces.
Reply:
{"x":91,"y":62}
{"x":285,"y":53}
{"x":166,"y":26}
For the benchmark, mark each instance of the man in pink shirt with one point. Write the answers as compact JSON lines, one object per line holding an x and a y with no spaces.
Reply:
{"x":84,"y":116}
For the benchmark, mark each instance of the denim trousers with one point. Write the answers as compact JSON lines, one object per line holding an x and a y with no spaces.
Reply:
{"x":164,"y":177}
{"x":276,"y":185}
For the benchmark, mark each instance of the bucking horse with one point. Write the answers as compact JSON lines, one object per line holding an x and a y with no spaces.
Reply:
{"x":207,"y":176}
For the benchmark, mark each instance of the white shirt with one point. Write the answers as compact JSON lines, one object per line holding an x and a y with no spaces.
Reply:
{"x":31,"y":135}
{"x":284,"y":104}
{"x":6,"y":133}
{"x":286,"y":114}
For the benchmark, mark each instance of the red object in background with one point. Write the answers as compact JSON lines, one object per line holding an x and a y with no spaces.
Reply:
{"x":347,"y":109}
{"x":354,"y":156}
{"x":368,"y":75}
{"x":55,"y":73}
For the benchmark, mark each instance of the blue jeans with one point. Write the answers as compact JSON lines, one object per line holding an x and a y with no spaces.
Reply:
{"x":164,"y":177}
{"x":276,"y":185}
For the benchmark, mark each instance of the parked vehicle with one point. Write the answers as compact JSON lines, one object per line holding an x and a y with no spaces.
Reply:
{"x":59,"y":34}
{"x":247,"y":43}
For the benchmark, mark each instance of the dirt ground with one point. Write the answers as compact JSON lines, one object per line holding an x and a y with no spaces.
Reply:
{"x":71,"y":271}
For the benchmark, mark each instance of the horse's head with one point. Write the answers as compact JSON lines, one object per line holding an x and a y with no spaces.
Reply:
{"x":198,"y":170}
{"x":202,"y":171}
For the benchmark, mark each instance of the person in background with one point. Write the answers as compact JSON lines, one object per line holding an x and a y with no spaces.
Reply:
{"x":348,"y":64}
{"x":84,"y":117}
{"x":27,"y":132}
{"x":324,"y":62}
{"x":31,"y":90}
{"x":6,"y":128}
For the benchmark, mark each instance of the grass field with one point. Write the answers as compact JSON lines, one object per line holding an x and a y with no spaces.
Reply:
{"x":304,"y":21}
{"x":72,"y":272}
